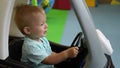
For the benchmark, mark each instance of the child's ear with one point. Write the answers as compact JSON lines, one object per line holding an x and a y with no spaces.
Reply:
{"x":27,"y":30}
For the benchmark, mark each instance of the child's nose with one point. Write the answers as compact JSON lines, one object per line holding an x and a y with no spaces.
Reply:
{"x":46,"y":25}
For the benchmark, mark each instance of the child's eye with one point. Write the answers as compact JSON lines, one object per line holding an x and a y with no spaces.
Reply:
{"x":41,"y":24}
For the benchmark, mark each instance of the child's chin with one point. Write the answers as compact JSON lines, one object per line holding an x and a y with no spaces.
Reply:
{"x":44,"y":35}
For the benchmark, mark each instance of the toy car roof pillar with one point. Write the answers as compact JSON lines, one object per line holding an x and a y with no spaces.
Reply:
{"x":7,"y":25}
{"x":6,"y":7}
{"x":97,"y":57}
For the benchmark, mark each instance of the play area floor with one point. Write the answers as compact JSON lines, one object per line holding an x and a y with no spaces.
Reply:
{"x":56,"y":20}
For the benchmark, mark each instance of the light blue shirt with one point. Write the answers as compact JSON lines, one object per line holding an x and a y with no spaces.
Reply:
{"x":33,"y":52}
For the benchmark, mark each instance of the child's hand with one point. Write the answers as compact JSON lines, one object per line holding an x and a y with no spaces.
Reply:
{"x":72,"y":52}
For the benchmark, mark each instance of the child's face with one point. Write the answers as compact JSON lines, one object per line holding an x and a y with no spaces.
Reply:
{"x":39,"y":28}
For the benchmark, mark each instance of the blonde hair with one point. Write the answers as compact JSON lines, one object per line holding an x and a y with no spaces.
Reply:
{"x":25,"y":15}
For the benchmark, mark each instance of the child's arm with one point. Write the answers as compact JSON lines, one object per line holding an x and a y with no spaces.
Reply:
{"x":58,"y":47}
{"x":56,"y":58}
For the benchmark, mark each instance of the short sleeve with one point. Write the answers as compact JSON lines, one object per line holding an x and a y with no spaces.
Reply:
{"x":36,"y":54}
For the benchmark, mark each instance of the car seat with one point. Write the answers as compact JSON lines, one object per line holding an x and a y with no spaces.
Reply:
{"x":13,"y":60}
{"x":15,"y":52}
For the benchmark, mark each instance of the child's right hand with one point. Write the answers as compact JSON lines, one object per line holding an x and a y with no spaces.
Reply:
{"x":72,"y":52}
{"x":56,"y":58}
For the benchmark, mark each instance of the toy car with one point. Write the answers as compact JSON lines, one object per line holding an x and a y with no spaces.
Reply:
{"x":10,"y":55}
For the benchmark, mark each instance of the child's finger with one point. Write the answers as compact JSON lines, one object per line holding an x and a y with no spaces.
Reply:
{"x":76,"y":48}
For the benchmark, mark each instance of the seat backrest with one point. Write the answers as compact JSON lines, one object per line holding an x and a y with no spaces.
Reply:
{"x":15,"y":47}
{"x":15,"y":53}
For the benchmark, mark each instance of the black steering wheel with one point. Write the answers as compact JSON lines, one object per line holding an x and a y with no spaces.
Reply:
{"x":77,"y":40}
{"x":79,"y":61}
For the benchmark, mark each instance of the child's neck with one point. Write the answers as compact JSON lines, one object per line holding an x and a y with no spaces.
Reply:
{"x":35,"y":38}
